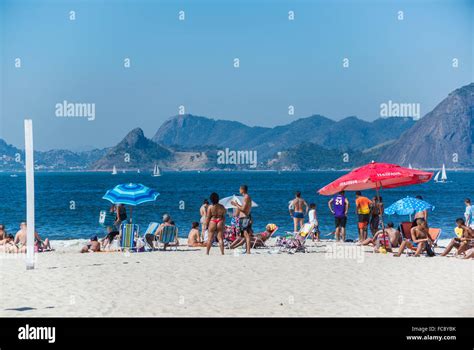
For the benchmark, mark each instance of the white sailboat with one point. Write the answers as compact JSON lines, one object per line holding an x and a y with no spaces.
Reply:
{"x":114,"y":170}
{"x":409,"y":166}
{"x":156,"y":171}
{"x":138,"y":171}
{"x":444,"y":177}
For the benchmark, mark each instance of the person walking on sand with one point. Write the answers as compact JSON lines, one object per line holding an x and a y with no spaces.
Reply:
{"x":339,"y":206}
{"x":297,"y":212}
{"x":215,"y":222}
{"x":313,"y":220}
{"x":203,"y":220}
{"x":245,"y":218}
{"x":363,"y":212}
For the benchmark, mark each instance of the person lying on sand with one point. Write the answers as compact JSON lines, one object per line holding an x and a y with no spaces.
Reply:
{"x":469,"y":254}
{"x":194,"y":237}
{"x":257,"y":239}
{"x":7,"y":245}
{"x":92,"y":247}
{"x":419,"y":239}
{"x":393,"y":234}
{"x":20,"y":240}
{"x":462,"y":243}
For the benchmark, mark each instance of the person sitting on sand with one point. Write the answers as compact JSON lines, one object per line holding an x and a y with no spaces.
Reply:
{"x":462,"y":243}
{"x":256,"y":240}
{"x":215,"y":222}
{"x":194,"y":237}
{"x":92,"y":247}
{"x":20,"y":240}
{"x":151,"y":237}
{"x":469,"y":254}
{"x":419,"y":239}
{"x":7,"y":245}
{"x":394,"y":236}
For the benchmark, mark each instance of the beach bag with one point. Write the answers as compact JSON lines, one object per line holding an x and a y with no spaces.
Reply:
{"x":429,"y":250}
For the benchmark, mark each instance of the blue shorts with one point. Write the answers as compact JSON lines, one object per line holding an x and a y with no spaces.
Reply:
{"x":298,"y":215}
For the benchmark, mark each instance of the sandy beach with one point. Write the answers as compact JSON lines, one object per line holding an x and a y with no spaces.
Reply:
{"x":328,"y":280}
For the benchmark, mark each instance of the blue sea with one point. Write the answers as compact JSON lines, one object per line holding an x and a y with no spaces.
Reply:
{"x":68,"y":203}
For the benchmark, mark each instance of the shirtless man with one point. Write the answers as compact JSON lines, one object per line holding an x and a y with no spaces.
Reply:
{"x":203,"y":220}
{"x":464,"y":242}
{"x":419,"y":238}
{"x":20,"y":240}
{"x":245,"y":218}
{"x":194,"y":240}
{"x":297,"y":212}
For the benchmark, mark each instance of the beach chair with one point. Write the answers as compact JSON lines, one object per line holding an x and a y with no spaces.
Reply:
{"x":259,"y":243}
{"x":168,"y":235}
{"x":296,"y":243}
{"x":128,"y":237}
{"x":151,"y":229}
{"x":434,"y":233}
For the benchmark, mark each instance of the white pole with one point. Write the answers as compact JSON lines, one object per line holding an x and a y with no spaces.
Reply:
{"x":30,"y":195}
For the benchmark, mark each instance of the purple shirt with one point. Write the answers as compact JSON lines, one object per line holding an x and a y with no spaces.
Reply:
{"x":339,"y":206}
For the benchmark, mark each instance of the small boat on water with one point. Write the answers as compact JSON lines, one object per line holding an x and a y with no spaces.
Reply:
{"x":138,"y":171}
{"x":114,"y":170}
{"x":409,"y":166}
{"x":444,"y":177}
{"x":156,"y":171}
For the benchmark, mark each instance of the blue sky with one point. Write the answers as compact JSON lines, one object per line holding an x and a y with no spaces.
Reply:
{"x":190,"y":62}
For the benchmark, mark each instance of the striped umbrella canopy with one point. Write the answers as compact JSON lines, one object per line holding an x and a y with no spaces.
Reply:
{"x":408,"y":206}
{"x":131,"y":194}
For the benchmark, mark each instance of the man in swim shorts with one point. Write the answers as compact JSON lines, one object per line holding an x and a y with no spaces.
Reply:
{"x":297,"y":212}
{"x":245,"y":218}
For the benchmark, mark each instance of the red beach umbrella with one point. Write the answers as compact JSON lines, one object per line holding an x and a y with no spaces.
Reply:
{"x":376,"y":176}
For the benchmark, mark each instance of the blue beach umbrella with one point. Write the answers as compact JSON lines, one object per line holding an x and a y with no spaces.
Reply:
{"x":408,"y":206}
{"x":131,"y":194}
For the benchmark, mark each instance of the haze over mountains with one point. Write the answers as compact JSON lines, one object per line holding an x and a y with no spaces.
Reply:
{"x":187,"y":142}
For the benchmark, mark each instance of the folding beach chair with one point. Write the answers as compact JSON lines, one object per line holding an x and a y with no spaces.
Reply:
{"x":296,"y":243}
{"x":128,"y":237}
{"x":434,"y":233}
{"x":260,"y":242}
{"x":150,"y":231}
{"x":168,"y":235}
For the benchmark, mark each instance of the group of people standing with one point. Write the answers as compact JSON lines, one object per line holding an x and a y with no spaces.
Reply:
{"x":213,"y":217}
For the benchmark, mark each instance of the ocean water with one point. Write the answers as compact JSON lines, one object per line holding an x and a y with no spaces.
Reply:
{"x":68,"y":204}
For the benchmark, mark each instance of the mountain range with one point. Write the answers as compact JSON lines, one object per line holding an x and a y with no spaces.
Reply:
{"x":188,"y":142}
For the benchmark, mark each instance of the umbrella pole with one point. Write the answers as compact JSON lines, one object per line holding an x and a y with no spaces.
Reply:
{"x":131,"y":213}
{"x":381,"y":217}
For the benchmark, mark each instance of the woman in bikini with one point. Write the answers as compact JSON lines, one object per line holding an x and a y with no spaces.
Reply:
{"x":215,"y":222}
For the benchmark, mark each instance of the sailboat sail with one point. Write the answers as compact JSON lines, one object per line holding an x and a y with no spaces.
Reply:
{"x":444,"y":177}
{"x":409,"y":166}
{"x":156,"y":171}
{"x":114,"y":170}
{"x":436,"y":178}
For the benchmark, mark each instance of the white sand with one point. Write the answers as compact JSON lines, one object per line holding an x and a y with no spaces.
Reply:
{"x":189,"y":283}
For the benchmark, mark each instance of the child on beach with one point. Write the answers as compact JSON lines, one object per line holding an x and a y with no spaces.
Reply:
{"x":313,"y":219}
{"x":194,"y":237}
